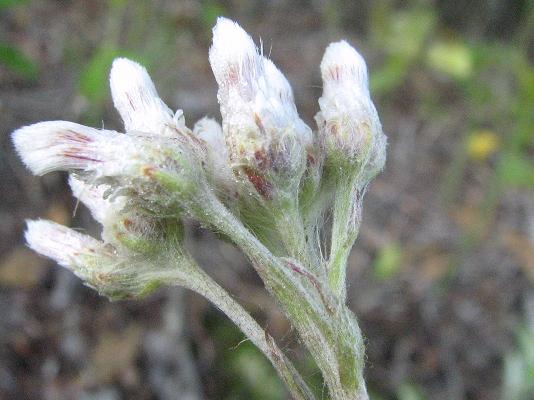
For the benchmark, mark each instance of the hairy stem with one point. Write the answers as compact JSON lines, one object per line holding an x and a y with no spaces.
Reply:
{"x":326,"y":326}
{"x":197,"y":280}
{"x":290,"y":227}
{"x":345,"y":228}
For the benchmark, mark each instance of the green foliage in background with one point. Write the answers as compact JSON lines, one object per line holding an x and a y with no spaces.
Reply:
{"x":401,"y":36}
{"x":452,"y":58}
{"x":5,"y":4}
{"x":93,"y":78}
{"x":494,"y":81}
{"x":210,"y":11}
{"x":11,"y":57}
{"x":518,"y":374}
{"x":388,"y":261}
{"x":256,"y":376}
{"x":409,"y":391}
{"x":488,"y":80}
{"x":16,"y":61}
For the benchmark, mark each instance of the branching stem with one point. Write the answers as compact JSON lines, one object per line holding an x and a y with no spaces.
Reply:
{"x":200,"y":282}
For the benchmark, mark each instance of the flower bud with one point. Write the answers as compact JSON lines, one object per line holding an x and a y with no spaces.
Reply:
{"x":59,"y":145}
{"x":133,"y":232}
{"x":217,"y":168}
{"x":96,"y":263}
{"x":265,"y":137}
{"x":137,"y":101}
{"x":377,"y":159}
{"x":348,"y":121}
{"x":70,"y":249}
{"x":63,"y":146}
{"x":151,"y":170}
{"x":122,"y":227}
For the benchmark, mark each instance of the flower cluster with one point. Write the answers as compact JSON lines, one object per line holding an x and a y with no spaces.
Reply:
{"x":262,"y":178}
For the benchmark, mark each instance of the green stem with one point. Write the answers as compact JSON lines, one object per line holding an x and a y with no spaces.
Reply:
{"x":345,"y":228}
{"x":290,"y":227}
{"x":327,"y":327}
{"x":197,"y":280}
{"x":314,"y":217}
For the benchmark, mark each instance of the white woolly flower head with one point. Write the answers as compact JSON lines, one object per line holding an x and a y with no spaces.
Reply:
{"x":277,"y":104}
{"x":61,"y":146}
{"x":98,"y":264}
{"x":97,"y":198}
{"x":133,"y":164}
{"x":127,"y":229}
{"x":348,"y":122}
{"x":137,"y":101}
{"x":233,"y":56}
{"x":210,"y":131}
{"x":342,"y":67}
{"x":378,"y":156}
{"x":69,"y":248}
{"x":261,"y":125}
{"x":64,"y":146}
{"x":58,"y":145}
{"x":217,"y":166}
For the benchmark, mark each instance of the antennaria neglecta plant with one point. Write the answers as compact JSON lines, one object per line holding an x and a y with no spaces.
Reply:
{"x":263,"y":179}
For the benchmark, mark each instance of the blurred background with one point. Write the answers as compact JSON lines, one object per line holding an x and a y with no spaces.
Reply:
{"x":442,"y":276}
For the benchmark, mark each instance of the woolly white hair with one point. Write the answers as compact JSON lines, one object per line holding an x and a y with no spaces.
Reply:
{"x":102,"y":208}
{"x":210,"y":131}
{"x":62,"y":244}
{"x":343,"y":65}
{"x":233,"y":55}
{"x":64,"y":146}
{"x":277,"y":100}
{"x":58,"y":145}
{"x":348,"y":120}
{"x":256,"y":100}
{"x":136,"y":99}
